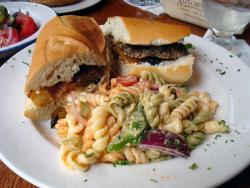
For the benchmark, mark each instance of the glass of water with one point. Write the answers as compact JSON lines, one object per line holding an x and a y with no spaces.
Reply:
{"x":144,"y":2}
{"x":226,"y":18}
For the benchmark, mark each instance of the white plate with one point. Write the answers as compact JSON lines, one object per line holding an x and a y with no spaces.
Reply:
{"x":41,"y":15}
{"x":82,"y":4}
{"x":31,"y":150}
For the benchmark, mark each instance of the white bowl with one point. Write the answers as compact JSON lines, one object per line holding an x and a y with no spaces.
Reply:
{"x":41,"y":15}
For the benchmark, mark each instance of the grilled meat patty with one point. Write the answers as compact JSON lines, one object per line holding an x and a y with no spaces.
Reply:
{"x":164,"y":52}
{"x":88,"y":74}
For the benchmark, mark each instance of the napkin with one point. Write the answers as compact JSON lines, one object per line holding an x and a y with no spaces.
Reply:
{"x":154,"y":9}
{"x":241,"y":45}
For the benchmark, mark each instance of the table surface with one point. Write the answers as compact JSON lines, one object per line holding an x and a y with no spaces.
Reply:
{"x":101,"y":12}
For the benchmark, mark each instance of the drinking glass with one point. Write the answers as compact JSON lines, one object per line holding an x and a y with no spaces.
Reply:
{"x":144,"y":2}
{"x":226,"y":18}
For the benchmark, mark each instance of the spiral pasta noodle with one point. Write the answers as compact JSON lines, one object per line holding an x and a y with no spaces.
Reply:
{"x":94,"y":99}
{"x":134,"y":155}
{"x":151,"y":103}
{"x":62,"y":128}
{"x":185,"y":108}
{"x":112,"y":157}
{"x":73,"y":126}
{"x":99,"y":128}
{"x":152,"y":77}
{"x":119,"y":102}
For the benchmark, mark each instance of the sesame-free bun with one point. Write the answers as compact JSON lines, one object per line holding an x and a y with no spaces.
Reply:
{"x":138,"y":31}
{"x":177,"y":71}
{"x":55,"y":3}
{"x":63,"y":45}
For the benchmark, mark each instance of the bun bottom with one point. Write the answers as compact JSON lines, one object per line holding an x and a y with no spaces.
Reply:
{"x":38,"y":113}
{"x":178,"y":71}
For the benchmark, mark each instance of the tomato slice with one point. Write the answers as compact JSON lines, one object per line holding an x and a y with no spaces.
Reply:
{"x":8,"y":36}
{"x":25,"y":25}
{"x":128,"y":80}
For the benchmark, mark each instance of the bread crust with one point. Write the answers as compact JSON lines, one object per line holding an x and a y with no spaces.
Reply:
{"x":138,"y":31}
{"x":54,"y":3}
{"x":63,"y":38}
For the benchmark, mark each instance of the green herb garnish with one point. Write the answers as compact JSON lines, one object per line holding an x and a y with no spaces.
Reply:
{"x":153,"y":180}
{"x":209,"y":168}
{"x":25,"y":63}
{"x":121,"y":162}
{"x":29,"y":51}
{"x":189,"y":46}
{"x":88,"y":155}
{"x":220,"y":71}
{"x":193,"y":166}
{"x":217,"y":136}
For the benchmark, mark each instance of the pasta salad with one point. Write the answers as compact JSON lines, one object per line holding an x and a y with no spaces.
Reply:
{"x":137,"y":120}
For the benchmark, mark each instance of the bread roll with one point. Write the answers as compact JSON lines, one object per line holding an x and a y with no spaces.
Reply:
{"x":143,"y":35}
{"x":137,"y":31}
{"x":64,"y":44}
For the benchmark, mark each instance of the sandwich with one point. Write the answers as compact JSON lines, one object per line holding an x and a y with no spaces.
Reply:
{"x":143,"y":45}
{"x":69,"y":54}
{"x":55,"y":3}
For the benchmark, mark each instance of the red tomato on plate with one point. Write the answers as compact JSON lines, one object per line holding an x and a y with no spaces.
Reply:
{"x":25,"y":25}
{"x":8,"y":36}
{"x":127,"y":80}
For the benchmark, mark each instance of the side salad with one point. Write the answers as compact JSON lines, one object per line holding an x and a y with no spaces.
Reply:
{"x":15,"y":27}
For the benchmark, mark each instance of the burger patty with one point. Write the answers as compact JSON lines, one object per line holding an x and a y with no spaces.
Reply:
{"x":163,"y":52}
{"x":87,"y":75}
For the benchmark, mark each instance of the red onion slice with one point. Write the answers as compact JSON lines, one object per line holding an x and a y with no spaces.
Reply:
{"x":166,"y":142}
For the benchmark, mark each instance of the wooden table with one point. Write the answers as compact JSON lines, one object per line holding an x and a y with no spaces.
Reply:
{"x":101,"y":12}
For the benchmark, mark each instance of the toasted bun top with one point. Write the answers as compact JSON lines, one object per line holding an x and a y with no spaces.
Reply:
{"x":62,"y":46}
{"x":137,"y":31}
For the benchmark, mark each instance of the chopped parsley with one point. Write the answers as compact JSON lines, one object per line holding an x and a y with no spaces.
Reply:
{"x":238,"y":70}
{"x":154,"y":169}
{"x":153,"y":180}
{"x":220,"y":71}
{"x":193,"y":166}
{"x":209,"y":168}
{"x":29,"y":51}
{"x":231,"y":140}
{"x":221,"y":63}
{"x":14,"y":58}
{"x":25,"y":63}
{"x":85,"y":180}
{"x":211,"y":61}
{"x":237,"y":132}
{"x":217,"y":136}
{"x":88,"y":155}
{"x":231,"y":56}
{"x":121,"y":162}
{"x":136,"y":125}
{"x":226,"y":141}
{"x":189,"y":46}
